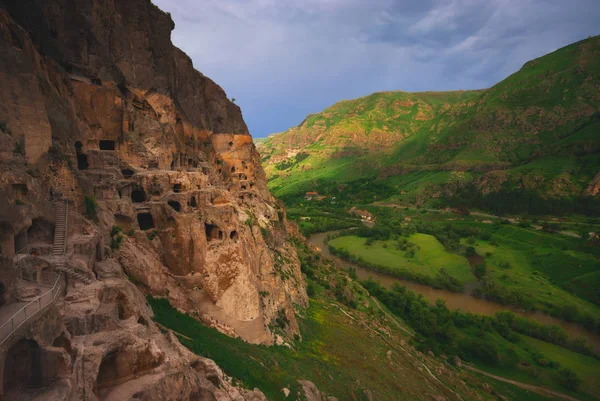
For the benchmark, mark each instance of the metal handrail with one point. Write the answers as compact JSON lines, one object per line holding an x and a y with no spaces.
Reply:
{"x":66,"y":227}
{"x":42,"y":302}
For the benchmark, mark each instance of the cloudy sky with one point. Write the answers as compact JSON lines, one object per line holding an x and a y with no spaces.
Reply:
{"x":284,"y":59}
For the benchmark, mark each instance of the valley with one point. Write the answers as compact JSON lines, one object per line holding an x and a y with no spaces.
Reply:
{"x":399,"y":246}
{"x":471,"y":215}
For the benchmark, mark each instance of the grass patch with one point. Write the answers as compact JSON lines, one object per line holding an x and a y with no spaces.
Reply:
{"x":428,"y":258}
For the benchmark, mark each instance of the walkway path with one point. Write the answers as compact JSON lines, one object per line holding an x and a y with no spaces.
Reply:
{"x":392,"y":318}
{"x":480,"y":214}
{"x":529,"y":387}
{"x":13,"y":315}
{"x":525,"y":386}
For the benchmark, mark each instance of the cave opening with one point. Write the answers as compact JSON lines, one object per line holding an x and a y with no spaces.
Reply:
{"x":175,"y":205}
{"x":82,"y":160}
{"x":20,"y":241}
{"x":2,"y":293}
{"x":127,"y":172}
{"x":192,"y":202}
{"x":234,"y":235}
{"x":145,"y":221}
{"x":176,"y":188}
{"x":40,"y":231}
{"x":212,"y":232}
{"x":22,"y":366}
{"x":233,"y":169}
{"x":114,"y":366}
{"x":107,"y":144}
{"x":20,"y":189}
{"x":138,"y":195}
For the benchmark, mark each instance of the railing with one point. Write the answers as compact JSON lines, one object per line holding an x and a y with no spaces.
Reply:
{"x":29,"y":311}
{"x":66,"y":226}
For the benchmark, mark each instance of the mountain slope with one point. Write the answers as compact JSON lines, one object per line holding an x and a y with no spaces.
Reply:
{"x":537,"y":130}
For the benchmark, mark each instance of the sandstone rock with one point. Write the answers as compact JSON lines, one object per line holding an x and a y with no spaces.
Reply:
{"x":310,"y":391}
{"x":594,"y":186}
{"x":457,"y":362}
{"x":166,"y":197}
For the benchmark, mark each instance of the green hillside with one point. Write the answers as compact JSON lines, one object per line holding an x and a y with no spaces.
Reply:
{"x":530,"y":143}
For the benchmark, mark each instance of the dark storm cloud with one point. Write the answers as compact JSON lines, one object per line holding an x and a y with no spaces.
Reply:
{"x":283,"y":59}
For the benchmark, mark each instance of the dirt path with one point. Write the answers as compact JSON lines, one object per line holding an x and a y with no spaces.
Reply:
{"x":480,"y":214}
{"x":393,"y":319}
{"x":529,"y":387}
{"x":404,"y":351}
{"x":525,"y":386}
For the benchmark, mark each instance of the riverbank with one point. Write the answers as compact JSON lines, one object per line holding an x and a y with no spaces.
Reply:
{"x":455,"y":301}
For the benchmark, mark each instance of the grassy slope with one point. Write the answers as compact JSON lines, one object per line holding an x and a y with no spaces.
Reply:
{"x":343,"y":356}
{"x":540,"y":125}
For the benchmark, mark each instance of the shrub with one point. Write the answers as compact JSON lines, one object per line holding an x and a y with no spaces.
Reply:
{"x":480,"y":270}
{"x":90,"y":207}
{"x":569,"y":379}
{"x":281,"y":319}
{"x":116,"y":237}
{"x":470,"y":251}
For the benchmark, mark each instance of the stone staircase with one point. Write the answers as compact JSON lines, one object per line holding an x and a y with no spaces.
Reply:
{"x":61,"y":213}
{"x":61,"y":209}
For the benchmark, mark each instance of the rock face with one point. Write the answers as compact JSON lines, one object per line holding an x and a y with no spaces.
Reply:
{"x":164,"y":188}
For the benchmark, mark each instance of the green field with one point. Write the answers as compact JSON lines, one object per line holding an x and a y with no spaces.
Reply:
{"x":555,"y":271}
{"x":428,"y":259}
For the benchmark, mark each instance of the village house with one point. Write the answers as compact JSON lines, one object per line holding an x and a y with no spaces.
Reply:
{"x":364,"y":214}
{"x":310,"y":195}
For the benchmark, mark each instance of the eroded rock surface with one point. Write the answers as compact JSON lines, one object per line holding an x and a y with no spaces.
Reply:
{"x":166,"y":197}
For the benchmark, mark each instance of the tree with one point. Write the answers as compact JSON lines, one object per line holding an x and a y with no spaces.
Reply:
{"x":569,"y":379}
{"x":480,"y":270}
{"x":470,"y":251}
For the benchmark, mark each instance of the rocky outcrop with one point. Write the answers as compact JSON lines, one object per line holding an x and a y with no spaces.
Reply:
{"x":166,"y":195}
{"x":594,"y":186}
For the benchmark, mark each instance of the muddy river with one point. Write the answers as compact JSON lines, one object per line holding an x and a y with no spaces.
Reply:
{"x":454,"y":300}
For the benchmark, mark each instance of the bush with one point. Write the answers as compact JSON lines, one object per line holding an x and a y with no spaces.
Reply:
{"x":470,"y":251}
{"x":480,"y":270}
{"x":116,"y":237}
{"x":568,"y":379}
{"x":90,"y":207}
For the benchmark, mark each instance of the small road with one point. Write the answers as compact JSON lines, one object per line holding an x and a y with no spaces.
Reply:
{"x":392,"y":318}
{"x":530,"y":387}
{"x":480,"y":214}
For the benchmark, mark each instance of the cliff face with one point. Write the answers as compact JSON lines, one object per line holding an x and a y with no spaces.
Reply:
{"x":163,"y":182}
